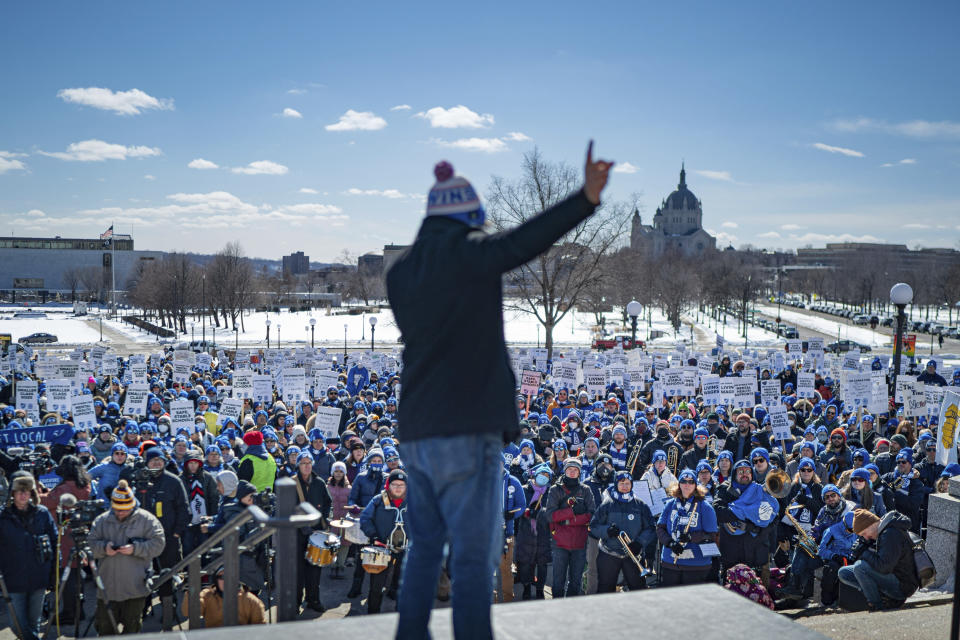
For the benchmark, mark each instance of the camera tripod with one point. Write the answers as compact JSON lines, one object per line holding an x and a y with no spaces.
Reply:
{"x":83,"y":556}
{"x":14,"y":621}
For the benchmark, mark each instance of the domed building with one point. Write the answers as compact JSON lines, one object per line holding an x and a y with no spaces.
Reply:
{"x":677,"y":225}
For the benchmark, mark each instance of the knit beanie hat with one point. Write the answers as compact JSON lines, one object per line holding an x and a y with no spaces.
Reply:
{"x":900,"y":439}
{"x":122,"y":497}
{"x":252,"y":438}
{"x":244,"y":489}
{"x":863,"y":518}
{"x":572,"y":462}
{"x":838,"y":432}
{"x":229,"y":481}
{"x":338,"y":466}
{"x":454,"y":197}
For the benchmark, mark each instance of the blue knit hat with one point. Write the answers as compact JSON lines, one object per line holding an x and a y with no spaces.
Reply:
{"x":687,"y":473}
{"x":806,"y":462}
{"x":454,"y":197}
{"x":659,"y":455}
{"x":861,"y":473}
{"x":701,"y":432}
{"x":904,"y":455}
{"x":761,"y":452}
{"x":619,"y":429}
{"x":829,"y":488}
{"x":305,"y":455}
{"x":703,"y":465}
{"x":872,"y":467}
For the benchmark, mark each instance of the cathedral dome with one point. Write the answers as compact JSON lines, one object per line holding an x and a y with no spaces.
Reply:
{"x":682,"y":198}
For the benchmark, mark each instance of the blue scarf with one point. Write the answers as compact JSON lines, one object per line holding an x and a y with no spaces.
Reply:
{"x":619,"y":456}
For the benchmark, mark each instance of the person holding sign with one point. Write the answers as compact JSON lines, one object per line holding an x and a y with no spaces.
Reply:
{"x":462,"y":268}
{"x":686,"y":525}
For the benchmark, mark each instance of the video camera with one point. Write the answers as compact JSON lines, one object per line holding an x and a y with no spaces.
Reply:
{"x":266,"y":500}
{"x":78,"y":516}
{"x":36,"y":463}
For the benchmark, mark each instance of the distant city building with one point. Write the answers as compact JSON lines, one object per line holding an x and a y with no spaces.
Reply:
{"x":838,"y":254}
{"x":677,"y":226}
{"x":62,"y":265}
{"x":296,"y":264}
{"x":370,"y":264}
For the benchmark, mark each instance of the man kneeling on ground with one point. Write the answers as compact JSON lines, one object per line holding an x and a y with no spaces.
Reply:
{"x":884,"y":569}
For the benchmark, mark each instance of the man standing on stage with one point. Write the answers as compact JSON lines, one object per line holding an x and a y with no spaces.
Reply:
{"x":445,"y":292}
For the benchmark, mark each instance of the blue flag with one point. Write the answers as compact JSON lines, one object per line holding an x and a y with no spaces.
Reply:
{"x":56,"y":433}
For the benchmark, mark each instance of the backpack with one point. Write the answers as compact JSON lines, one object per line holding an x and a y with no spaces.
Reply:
{"x":926,"y":571}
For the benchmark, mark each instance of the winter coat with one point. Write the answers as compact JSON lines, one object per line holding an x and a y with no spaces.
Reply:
{"x":532,"y":541}
{"x":338,"y":499}
{"x":663,"y":481}
{"x":22,"y":567}
{"x":51,"y":501}
{"x":677,"y":518}
{"x":692,"y":457}
{"x":107,"y":475}
{"x":448,"y":258}
{"x":315,"y":492}
{"x":380,"y":518}
{"x":569,"y":529}
{"x":632,"y":517}
{"x":647,"y":451}
{"x":836,"y":542}
{"x":124,"y":577}
{"x":836,"y":462}
{"x":249,"y":608}
{"x":908,"y":498}
{"x":167,"y":500}
{"x":211,"y":495}
{"x":322,"y":462}
{"x":365,"y":487}
{"x":513,"y":503}
{"x":893,"y":552}
{"x":100,"y":449}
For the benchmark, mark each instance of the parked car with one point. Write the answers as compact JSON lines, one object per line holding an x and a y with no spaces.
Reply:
{"x":952,"y":332}
{"x":602,"y":344}
{"x":842,"y":346}
{"x":861,"y":319}
{"x":38,"y":338}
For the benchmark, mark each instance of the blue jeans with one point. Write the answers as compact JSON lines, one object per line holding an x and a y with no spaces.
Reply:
{"x":28,"y":606}
{"x":871,"y":582}
{"x":454,"y":494}
{"x":564,"y":561}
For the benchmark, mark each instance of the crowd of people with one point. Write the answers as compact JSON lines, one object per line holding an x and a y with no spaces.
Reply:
{"x":619,"y":489}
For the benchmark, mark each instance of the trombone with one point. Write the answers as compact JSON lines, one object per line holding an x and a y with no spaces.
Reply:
{"x":625,"y":541}
{"x":634,"y":456}
{"x":673,"y":458}
{"x":712,"y":452}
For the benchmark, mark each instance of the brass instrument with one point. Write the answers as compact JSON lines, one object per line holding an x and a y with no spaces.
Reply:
{"x":625,"y":541}
{"x":673,"y":459}
{"x":634,"y":456}
{"x":712,"y":450}
{"x":803,"y":538}
{"x":778,"y":484}
{"x":686,"y":529}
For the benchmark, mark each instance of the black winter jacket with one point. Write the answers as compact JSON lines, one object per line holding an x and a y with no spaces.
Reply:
{"x":893,"y":552}
{"x":447,"y":298}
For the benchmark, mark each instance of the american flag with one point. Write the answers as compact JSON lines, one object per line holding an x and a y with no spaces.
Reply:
{"x":107,"y":234}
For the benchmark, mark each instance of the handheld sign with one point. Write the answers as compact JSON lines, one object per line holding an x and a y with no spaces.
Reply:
{"x":181,"y":415}
{"x":328,"y":421}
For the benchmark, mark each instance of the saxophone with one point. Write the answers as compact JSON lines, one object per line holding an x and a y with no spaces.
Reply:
{"x":804,"y":541}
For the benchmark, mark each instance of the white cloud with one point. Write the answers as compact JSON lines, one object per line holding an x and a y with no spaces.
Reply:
{"x":486,"y":145}
{"x":262,"y":167}
{"x":127,"y":103}
{"x":393,"y":194}
{"x":729,"y":225}
{"x":516,"y":136}
{"x":36,"y":213}
{"x":723,"y":176}
{"x":916,"y":225}
{"x":841,"y":150}
{"x":625,"y":167}
{"x":723,"y":238}
{"x":401,"y":107}
{"x":200,"y":163}
{"x":98,"y":151}
{"x":911,"y":128}
{"x":821,"y":238}
{"x":791,"y":227}
{"x":904,"y":161}
{"x":296,"y":92}
{"x":769,"y":235}
{"x":9,"y":162}
{"x":455,"y":118}
{"x":149,"y":177}
{"x":291,"y":113}
{"x":308,"y":190}
{"x":358,"y":121}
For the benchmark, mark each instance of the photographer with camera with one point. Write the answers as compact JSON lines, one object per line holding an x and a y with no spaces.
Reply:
{"x":125,"y":539}
{"x":161,"y":493}
{"x":27,"y":537}
{"x":76,"y":484}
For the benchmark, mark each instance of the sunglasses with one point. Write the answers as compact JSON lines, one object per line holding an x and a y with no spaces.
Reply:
{"x":758,"y":460}
{"x":806,"y":470}
{"x":857,"y":480}
{"x":687,"y":481}
{"x":903,"y":462}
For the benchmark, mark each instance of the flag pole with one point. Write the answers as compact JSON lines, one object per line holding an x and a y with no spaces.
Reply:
{"x":113,"y":275}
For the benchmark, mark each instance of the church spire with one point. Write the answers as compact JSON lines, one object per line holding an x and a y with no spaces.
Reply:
{"x":683,"y":176}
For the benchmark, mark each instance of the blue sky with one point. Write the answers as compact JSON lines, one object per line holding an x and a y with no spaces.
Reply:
{"x":799,"y":124}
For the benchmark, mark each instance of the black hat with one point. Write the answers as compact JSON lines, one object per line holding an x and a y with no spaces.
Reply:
{"x":397,"y":474}
{"x":244,"y":489}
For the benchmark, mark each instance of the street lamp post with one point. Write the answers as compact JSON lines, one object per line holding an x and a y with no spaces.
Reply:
{"x":267,"y":322}
{"x":203,"y":303}
{"x":313,"y":324}
{"x":278,"y":335}
{"x":363,"y":329}
{"x":192,"y":325}
{"x":779,"y":296}
{"x":634,"y":309}
{"x":344,"y":345}
{"x":373,"y":328}
{"x":236,"y":341}
{"x":901,"y":294}
{"x":101,"y":325}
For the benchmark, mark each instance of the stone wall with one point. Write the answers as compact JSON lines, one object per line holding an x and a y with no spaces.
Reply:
{"x":943,"y":522}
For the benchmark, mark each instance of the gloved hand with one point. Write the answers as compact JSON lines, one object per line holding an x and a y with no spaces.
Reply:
{"x":613,"y":531}
{"x":676,"y":548}
{"x":636,"y":548}
{"x":750,"y":527}
{"x":507,"y":515}
{"x":571,"y":501}
{"x":580,"y":507}
{"x":684,"y":538}
{"x":802,"y":499}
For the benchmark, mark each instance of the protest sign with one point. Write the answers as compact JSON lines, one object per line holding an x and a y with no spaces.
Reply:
{"x":83,"y":414}
{"x":529,"y":383}
{"x":328,"y":421}
{"x":770,"y":393}
{"x":59,"y":392}
{"x":181,"y":415}
{"x":135,"y":403}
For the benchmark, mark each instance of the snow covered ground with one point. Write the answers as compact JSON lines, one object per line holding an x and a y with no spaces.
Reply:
{"x":863,"y":335}
{"x":67,"y":328}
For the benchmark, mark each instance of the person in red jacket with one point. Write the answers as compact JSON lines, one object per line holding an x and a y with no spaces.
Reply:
{"x":570,"y":506}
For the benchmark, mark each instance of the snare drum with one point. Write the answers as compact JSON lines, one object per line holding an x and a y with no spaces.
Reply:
{"x":374,"y":559}
{"x":322,"y":549}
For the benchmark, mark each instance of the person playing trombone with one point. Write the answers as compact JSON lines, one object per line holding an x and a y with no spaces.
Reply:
{"x":687,"y":522}
{"x":626,"y":530}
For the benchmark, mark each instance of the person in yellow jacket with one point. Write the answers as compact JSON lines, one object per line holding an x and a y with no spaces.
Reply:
{"x":249,"y":607}
{"x":257,"y":466}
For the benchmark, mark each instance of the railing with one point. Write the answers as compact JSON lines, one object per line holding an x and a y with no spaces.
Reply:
{"x":283,"y":528}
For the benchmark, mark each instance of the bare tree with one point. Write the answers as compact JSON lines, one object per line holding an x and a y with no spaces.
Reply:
{"x":71,"y":278}
{"x":554,"y":282}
